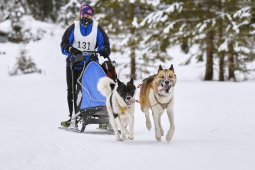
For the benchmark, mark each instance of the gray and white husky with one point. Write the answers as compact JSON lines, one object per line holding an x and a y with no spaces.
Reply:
{"x":120,"y":105}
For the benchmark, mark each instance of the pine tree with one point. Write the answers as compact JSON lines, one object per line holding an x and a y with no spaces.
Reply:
{"x":211,"y":25}
{"x":220,"y":41}
{"x":42,"y":9}
{"x":2,"y":10}
{"x":121,"y":19}
{"x":238,"y":39}
{"x":24,"y":64}
{"x":158,"y":25}
{"x":69,"y":12}
{"x":15,"y":14}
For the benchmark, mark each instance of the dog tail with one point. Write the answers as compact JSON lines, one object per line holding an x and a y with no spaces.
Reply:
{"x":105,"y":86}
{"x":144,"y":98}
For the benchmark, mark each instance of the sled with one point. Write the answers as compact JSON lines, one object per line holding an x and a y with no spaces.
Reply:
{"x":90,"y":104}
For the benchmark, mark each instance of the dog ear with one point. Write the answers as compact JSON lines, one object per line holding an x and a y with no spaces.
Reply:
{"x":131,"y":81}
{"x":171,"y":67}
{"x":118,"y":81}
{"x":160,"y":68}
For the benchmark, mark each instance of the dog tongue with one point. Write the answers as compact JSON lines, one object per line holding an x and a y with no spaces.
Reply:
{"x":168,"y":87}
{"x":165,"y":88}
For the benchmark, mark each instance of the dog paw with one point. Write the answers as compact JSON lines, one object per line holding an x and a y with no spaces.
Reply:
{"x":162,"y":131}
{"x":148,"y":125}
{"x":118,"y":138}
{"x":158,"y":138}
{"x":122,"y":138}
{"x":131,"y":138}
{"x":125,"y":137}
{"x":169,"y":135}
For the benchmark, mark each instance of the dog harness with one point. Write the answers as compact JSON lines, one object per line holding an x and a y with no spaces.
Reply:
{"x":163,"y":105}
{"x":114,"y":114}
{"x":122,"y":109}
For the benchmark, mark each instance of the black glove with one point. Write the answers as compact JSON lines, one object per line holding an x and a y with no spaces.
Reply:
{"x":93,"y":55}
{"x":105,"y":52}
{"x":73,"y":51}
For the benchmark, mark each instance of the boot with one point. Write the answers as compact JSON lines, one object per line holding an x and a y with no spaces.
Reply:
{"x":66,"y":124}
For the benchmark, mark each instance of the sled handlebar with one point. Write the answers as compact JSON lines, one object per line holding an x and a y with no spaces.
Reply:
{"x":81,"y":57}
{"x":89,"y":52}
{"x":94,"y":52}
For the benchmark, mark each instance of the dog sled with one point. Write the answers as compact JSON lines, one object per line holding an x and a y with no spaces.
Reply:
{"x":89,"y":104}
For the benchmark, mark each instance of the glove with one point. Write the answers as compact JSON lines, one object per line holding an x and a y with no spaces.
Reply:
{"x":105,"y":52}
{"x":73,"y":51}
{"x":93,"y":55}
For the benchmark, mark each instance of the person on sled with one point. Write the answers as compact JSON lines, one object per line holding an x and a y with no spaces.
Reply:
{"x":83,"y":35}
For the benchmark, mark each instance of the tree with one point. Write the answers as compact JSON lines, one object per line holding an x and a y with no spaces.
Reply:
{"x":218,"y":28}
{"x":238,"y":38}
{"x":15,"y":14}
{"x":24,"y":65}
{"x":69,"y":12}
{"x":162,"y":29}
{"x":42,"y":9}
{"x":127,"y":29}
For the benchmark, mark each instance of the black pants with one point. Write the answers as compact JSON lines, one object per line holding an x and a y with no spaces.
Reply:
{"x":76,"y":74}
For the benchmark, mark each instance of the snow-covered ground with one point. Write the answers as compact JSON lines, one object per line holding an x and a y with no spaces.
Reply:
{"x":215,"y":127}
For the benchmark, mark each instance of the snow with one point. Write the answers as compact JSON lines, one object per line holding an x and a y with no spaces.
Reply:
{"x":242,"y":49}
{"x":162,"y":14}
{"x":135,"y":23}
{"x":29,"y":23}
{"x":169,"y":27}
{"x":153,"y":2}
{"x":5,"y":26}
{"x":214,"y":121}
{"x":175,"y":6}
{"x":242,"y":13}
{"x":224,"y":46}
{"x":202,"y":27}
{"x":72,"y":3}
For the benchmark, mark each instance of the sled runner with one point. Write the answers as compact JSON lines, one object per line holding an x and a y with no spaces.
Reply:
{"x":89,"y":104}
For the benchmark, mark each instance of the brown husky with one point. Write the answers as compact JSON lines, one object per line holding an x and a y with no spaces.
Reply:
{"x":157,"y":95}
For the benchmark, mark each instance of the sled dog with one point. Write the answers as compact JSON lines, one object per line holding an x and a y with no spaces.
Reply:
{"x":120,"y":106}
{"x":157,"y":95}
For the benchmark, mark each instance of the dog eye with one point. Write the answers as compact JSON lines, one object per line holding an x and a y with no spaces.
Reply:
{"x":162,"y":77}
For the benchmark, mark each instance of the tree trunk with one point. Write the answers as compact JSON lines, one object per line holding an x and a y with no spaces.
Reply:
{"x":132,"y":45}
{"x":221,"y":54}
{"x":221,"y":66}
{"x":209,"y":56}
{"x":231,"y":63}
{"x":132,"y":56}
{"x":133,"y":64}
